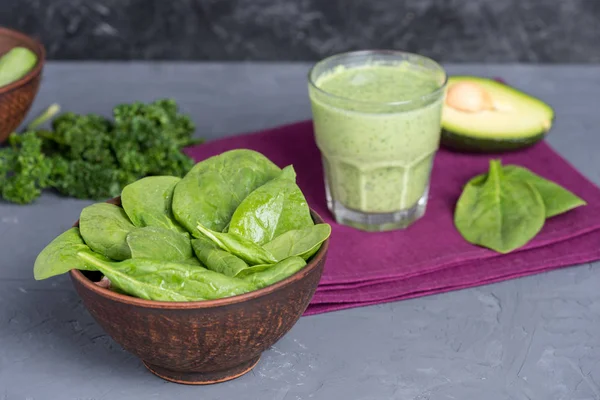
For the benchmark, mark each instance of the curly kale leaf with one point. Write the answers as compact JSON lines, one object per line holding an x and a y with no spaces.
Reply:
{"x":148,"y":138}
{"x":91,"y":157}
{"x":84,"y":180}
{"x":81,"y":137}
{"x":161,"y":118}
{"x":24,"y":170}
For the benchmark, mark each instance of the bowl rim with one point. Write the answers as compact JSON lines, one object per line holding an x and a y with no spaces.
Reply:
{"x":37,"y":68}
{"x":317,"y":259}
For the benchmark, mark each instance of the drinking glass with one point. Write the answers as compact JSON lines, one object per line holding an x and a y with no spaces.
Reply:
{"x":377,"y":153}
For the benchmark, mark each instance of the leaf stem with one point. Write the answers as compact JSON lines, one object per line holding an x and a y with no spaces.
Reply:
{"x":495,"y":168}
{"x":46,"y":115}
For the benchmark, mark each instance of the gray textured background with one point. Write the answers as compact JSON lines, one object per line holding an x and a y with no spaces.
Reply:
{"x":448,"y":30}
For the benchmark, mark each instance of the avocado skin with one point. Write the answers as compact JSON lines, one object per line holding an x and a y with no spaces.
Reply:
{"x":463,"y":143}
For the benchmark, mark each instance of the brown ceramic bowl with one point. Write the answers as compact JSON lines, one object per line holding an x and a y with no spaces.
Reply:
{"x":16,"y":97}
{"x":203,"y":342}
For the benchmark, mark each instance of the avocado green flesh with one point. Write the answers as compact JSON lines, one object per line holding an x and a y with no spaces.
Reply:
{"x":519,"y":120}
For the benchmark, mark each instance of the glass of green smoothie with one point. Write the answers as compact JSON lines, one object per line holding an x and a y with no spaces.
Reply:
{"x":377,"y":123}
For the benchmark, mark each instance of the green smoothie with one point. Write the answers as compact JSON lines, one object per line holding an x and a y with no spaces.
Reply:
{"x":378,"y":127}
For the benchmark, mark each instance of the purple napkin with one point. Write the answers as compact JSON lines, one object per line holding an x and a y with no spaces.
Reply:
{"x":430,"y":256}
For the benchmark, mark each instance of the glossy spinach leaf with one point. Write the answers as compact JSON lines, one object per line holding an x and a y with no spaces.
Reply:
{"x":104,"y":228}
{"x":265,"y":275}
{"x":271,"y":210}
{"x":60,"y":256}
{"x":239,"y":246}
{"x":147,"y":202}
{"x":557,"y":200}
{"x":167,"y":281}
{"x":302,"y":243}
{"x":214,"y":188}
{"x":498,"y":213}
{"x":216,"y":259}
{"x":159,"y":244}
{"x":193,"y":261}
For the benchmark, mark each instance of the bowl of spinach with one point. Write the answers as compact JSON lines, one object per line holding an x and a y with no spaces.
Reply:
{"x":197,"y":276}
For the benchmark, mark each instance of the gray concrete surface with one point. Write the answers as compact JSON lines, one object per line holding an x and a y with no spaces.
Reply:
{"x":532,"y":338}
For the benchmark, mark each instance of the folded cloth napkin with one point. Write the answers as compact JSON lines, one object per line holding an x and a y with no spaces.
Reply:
{"x":430,"y":256}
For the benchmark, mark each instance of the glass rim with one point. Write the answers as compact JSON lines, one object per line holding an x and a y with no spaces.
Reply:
{"x":431,"y":94}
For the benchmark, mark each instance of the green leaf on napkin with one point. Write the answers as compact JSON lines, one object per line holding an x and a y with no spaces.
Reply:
{"x":507,"y":207}
{"x":499,"y":213}
{"x":557,"y":199}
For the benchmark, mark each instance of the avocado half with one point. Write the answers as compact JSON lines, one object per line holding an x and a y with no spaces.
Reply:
{"x":509,"y":119}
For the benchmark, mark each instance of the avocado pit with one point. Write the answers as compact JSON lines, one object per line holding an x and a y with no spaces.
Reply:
{"x":469,"y":97}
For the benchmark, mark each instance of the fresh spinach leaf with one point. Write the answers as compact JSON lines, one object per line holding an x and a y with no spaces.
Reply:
{"x":60,"y":256}
{"x":557,"y":200}
{"x":498,"y":213}
{"x":147,"y":202}
{"x":265,"y":275}
{"x":166,"y":281}
{"x":159,"y":244}
{"x":274,"y":208}
{"x":144,"y":249}
{"x":302,"y":243}
{"x":226,"y":229}
{"x":239,"y":246}
{"x":216,"y":259}
{"x":104,"y":228}
{"x":214,"y":188}
{"x":193,"y":261}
